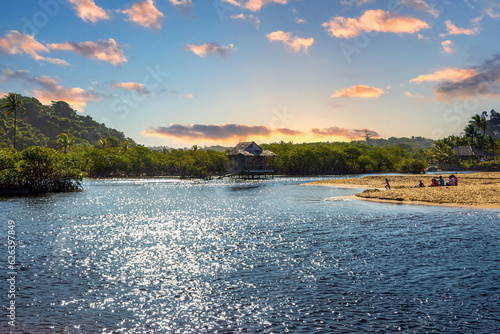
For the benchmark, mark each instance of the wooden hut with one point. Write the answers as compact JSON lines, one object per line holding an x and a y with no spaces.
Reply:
{"x":469,"y":153}
{"x":248,"y":160}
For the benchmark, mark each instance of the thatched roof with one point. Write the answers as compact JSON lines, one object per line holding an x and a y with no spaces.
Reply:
{"x":468,"y":151}
{"x":250,"y":149}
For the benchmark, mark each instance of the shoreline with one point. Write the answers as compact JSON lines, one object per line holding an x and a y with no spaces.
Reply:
{"x":474,"y":190}
{"x":378,"y":200}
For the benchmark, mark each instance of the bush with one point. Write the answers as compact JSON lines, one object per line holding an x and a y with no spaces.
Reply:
{"x":412,"y":166}
{"x":39,"y":168}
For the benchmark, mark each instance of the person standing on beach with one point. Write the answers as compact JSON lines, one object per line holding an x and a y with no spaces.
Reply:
{"x":441,"y":181}
{"x":387,"y":185}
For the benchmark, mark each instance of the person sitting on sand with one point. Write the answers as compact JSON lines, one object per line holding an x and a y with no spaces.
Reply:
{"x":420,"y":184}
{"x":387,"y":185}
{"x":451,"y":182}
{"x":441,"y":181}
{"x":434,"y":183}
{"x":455,"y":179}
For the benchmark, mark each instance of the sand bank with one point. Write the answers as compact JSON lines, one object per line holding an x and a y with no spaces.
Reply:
{"x":478,"y":190}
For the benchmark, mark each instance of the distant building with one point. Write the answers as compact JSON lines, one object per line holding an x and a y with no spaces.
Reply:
{"x":248,"y":160}
{"x":468,"y":152}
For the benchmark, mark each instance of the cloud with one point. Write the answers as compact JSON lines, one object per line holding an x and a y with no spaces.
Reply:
{"x":288,"y":132}
{"x":293,"y":43}
{"x":134,"y":86}
{"x":492,"y":11}
{"x":447,"y":74}
{"x":203,"y":49}
{"x":187,"y":96}
{"x":16,"y":43}
{"x":453,"y":30}
{"x":413,"y":95}
{"x":144,"y":14}
{"x":359,"y":91}
{"x":447,"y":47}
{"x":108,"y":50}
{"x":254,"y":5}
{"x":87,"y":10}
{"x":232,"y":132}
{"x":298,"y":20}
{"x":185,"y":6}
{"x":346,"y":133}
{"x":77,"y":98}
{"x":485,"y":82}
{"x":253,"y":20}
{"x":210,"y":132}
{"x":218,"y":132}
{"x":420,"y":5}
{"x":358,"y":3}
{"x":373,"y":20}
{"x":50,"y":90}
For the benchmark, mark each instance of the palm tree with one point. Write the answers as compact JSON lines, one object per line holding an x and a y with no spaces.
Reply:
{"x":470,"y":132}
{"x":102,"y":143}
{"x":11,"y":103}
{"x":65,"y":142}
{"x":124,"y":146}
{"x":481,"y":124}
{"x":441,"y":152}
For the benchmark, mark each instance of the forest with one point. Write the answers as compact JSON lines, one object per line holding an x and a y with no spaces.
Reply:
{"x":52,"y":148}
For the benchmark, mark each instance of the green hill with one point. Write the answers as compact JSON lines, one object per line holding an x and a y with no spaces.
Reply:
{"x":41,"y":125}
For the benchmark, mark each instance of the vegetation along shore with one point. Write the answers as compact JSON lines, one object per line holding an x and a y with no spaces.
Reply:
{"x":481,"y":190}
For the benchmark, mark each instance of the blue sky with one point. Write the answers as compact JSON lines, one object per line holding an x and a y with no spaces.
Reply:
{"x":183,"y":72}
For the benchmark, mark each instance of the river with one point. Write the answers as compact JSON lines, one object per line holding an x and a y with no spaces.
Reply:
{"x":223,"y":256}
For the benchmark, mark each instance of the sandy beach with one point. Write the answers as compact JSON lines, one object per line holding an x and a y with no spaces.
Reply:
{"x":479,"y":190}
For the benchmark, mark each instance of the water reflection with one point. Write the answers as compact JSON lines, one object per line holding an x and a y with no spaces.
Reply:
{"x":148,"y":256}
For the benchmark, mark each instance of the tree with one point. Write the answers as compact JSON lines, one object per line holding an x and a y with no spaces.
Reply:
{"x":480,"y":123}
{"x":65,"y":141}
{"x":441,"y":152}
{"x":471,"y":133}
{"x":12,"y":102}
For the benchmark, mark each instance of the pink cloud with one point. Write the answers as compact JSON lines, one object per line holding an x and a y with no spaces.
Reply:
{"x":352,"y":134}
{"x":359,"y":91}
{"x":50,"y":90}
{"x":202,"y":50}
{"x":447,"y":47}
{"x":108,"y":51}
{"x":134,"y":86}
{"x":446,"y":74}
{"x":232,"y":132}
{"x":453,"y":30}
{"x":249,"y":18}
{"x":254,"y":5}
{"x":145,"y":14}
{"x":77,"y":98}
{"x":87,"y":10}
{"x":15,"y":43}
{"x":373,"y":20}
{"x":185,"y":6}
{"x":293,"y":43}
{"x":484,"y":81}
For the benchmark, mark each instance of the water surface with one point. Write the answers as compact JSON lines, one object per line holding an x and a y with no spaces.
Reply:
{"x":176,"y":256}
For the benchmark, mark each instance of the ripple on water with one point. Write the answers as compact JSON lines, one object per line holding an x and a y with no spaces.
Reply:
{"x":162,"y":255}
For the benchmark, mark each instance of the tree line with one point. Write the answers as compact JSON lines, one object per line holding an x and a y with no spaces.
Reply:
{"x":481,"y":133}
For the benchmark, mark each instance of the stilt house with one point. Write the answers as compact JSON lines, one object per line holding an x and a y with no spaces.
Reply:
{"x":248,"y":160}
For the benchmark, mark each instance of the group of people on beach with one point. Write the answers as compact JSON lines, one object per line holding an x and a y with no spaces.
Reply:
{"x":452,"y":181}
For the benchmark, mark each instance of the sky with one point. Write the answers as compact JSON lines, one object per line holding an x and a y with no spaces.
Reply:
{"x":183,"y":72}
